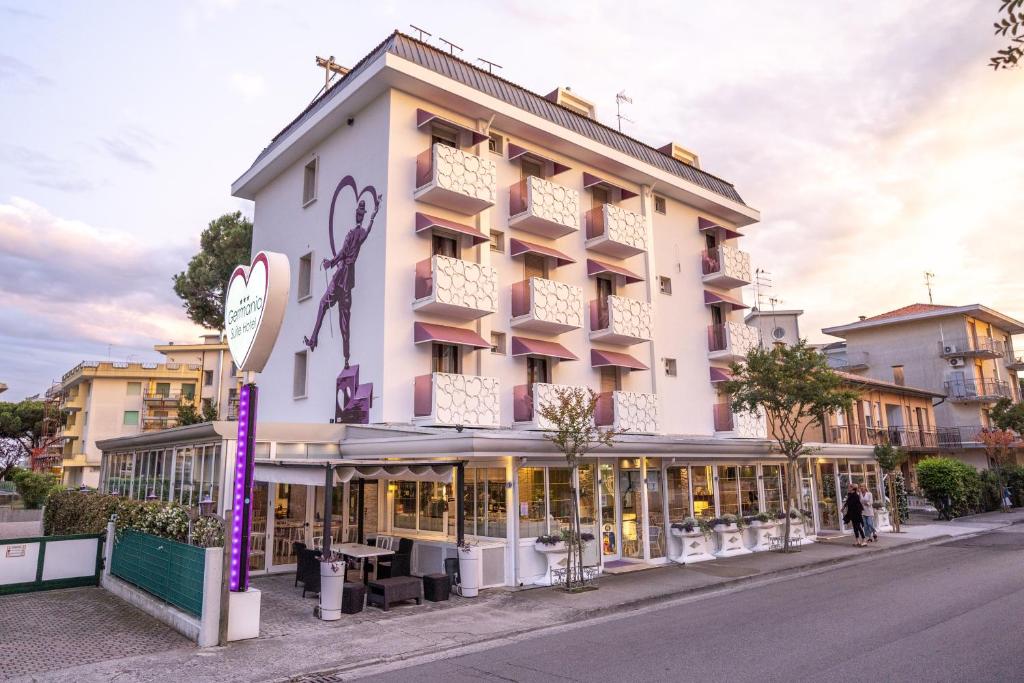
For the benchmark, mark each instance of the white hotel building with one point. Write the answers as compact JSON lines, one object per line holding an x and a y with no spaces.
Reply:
{"x":511,"y":243}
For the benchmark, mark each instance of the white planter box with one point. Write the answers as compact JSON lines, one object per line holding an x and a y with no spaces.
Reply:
{"x":331,"y":584}
{"x":556,"y":556}
{"x":470,"y":570}
{"x":797,"y":532}
{"x":696,"y":547}
{"x":883,"y":521}
{"x":760,"y":535}
{"x":730,"y":541}
{"x":244,"y":615}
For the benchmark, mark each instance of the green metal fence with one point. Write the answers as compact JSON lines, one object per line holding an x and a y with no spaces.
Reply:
{"x":169,"y":570}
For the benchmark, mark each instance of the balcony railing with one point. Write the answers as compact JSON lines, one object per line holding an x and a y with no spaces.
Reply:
{"x":543,"y":208}
{"x":527,"y":401}
{"x":982,"y":347}
{"x":447,"y":400}
{"x":739,"y":425}
{"x":454,"y":288}
{"x":977,"y":390}
{"x":726,"y":267}
{"x":731,"y":341}
{"x":456,"y":180}
{"x":1015,"y":363}
{"x":621,"y":321}
{"x":963,"y":436}
{"x":899,"y":436}
{"x":152,"y":424}
{"x":616,"y":231}
{"x":548,"y":306}
{"x":849,"y":360}
{"x":628,"y":411}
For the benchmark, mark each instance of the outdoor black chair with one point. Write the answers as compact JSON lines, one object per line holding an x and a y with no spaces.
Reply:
{"x":297,"y":548}
{"x":451,"y":568}
{"x":399,"y":564}
{"x":309,"y":570}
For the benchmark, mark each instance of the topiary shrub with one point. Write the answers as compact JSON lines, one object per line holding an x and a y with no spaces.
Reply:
{"x":953,"y":487}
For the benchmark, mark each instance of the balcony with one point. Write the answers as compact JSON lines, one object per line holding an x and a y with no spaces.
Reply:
{"x":154,"y":424}
{"x":455,"y":180}
{"x":849,"y":361}
{"x":731,"y":341}
{"x":1016,"y":364}
{"x":527,"y":404}
{"x":543,"y":208}
{"x":168,"y":399}
{"x":621,"y":321}
{"x":982,"y":347}
{"x":977,"y":390}
{"x":627,"y":411}
{"x":964,"y":436}
{"x":738,"y":425}
{"x":909,"y":438}
{"x":726,"y":267}
{"x":454,"y":288}
{"x":446,"y":400}
{"x":616,"y":231}
{"x":546,"y":306}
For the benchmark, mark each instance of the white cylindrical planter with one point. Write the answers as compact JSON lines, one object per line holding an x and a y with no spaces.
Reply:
{"x":332,"y":583}
{"x":555,"y":555}
{"x":470,"y":570}
{"x":694,"y":544}
{"x":730,"y":541}
{"x":761,"y":535}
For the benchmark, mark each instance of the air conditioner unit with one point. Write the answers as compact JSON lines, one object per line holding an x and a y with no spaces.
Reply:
{"x":950,"y":348}
{"x":956,"y":362}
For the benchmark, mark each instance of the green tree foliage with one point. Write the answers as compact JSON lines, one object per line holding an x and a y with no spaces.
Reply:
{"x":1010,"y":25}
{"x":1007,"y":415}
{"x":188,"y":415}
{"x":796,"y":389}
{"x":209,"y":411}
{"x":953,"y":487}
{"x":224,"y":244}
{"x":35,"y":487}
{"x":21,"y":430}
{"x":890,"y":459}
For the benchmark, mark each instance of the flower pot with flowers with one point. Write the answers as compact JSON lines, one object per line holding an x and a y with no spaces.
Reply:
{"x":801,"y":526}
{"x":729,"y":529}
{"x":695,"y":538}
{"x":882,"y":520}
{"x":760,"y":531}
{"x":555,"y":551}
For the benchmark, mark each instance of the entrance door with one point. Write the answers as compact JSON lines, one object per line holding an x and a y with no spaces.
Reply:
{"x":290,"y":502}
{"x":258,"y":537}
{"x":828,"y":502}
{"x":631,"y":502}
{"x":609,"y":518}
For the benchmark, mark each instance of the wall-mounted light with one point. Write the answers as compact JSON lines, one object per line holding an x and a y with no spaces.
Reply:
{"x":392,"y":487}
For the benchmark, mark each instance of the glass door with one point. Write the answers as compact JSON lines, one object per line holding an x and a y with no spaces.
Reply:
{"x":289,"y":522}
{"x":631,"y":491}
{"x":655,"y":509}
{"x":703,"y":492}
{"x":258,"y":536}
{"x":609,"y":520}
{"x":828,"y":502}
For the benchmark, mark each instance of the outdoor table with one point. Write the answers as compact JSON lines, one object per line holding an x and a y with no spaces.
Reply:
{"x":361,"y":552}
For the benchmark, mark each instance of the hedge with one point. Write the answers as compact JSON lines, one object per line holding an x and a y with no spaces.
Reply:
{"x":953,"y":487}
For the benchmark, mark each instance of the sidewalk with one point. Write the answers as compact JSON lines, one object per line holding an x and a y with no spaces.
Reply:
{"x":295,"y":644}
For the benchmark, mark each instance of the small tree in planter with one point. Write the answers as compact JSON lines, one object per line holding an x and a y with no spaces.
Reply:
{"x":999,"y":446}
{"x":796,"y":389}
{"x":574,"y":433}
{"x":890,"y":459}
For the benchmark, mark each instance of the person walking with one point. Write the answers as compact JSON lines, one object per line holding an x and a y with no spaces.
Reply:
{"x":867,"y":501}
{"x":853,"y":512}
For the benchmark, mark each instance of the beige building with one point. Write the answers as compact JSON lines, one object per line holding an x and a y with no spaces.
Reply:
{"x":220,"y":380}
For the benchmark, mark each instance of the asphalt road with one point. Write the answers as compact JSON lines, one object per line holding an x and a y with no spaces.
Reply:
{"x":953,"y":612}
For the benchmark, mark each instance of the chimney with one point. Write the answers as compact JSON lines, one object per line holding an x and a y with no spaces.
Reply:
{"x":862,"y":317}
{"x":680,"y":153}
{"x":565,"y":97}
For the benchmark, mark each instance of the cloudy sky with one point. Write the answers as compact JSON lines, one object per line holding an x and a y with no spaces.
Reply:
{"x":871,"y":135}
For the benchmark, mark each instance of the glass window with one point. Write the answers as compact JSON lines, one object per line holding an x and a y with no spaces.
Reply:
{"x":728,"y":489}
{"x":163,"y":389}
{"x":703,"y":492}
{"x":560,"y":493}
{"x":588,"y":509}
{"x":405,"y":505}
{"x":131,"y":417}
{"x":532,"y":514}
{"x":433,"y":505}
{"x":485,"y":503}
{"x":750,"y":498}
{"x":655,"y":510}
{"x":677,"y":486}
{"x":188,"y":391}
{"x":771,"y":477}
{"x":134,"y":388}
{"x":289,"y":521}
{"x":609,"y":535}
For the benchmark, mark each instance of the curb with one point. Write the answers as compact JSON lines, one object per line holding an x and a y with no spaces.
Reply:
{"x":337,"y":674}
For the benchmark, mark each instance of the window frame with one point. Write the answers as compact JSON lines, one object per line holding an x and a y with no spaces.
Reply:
{"x":499,"y":346}
{"x":671,"y":367}
{"x":306,"y":260}
{"x":665,"y":285}
{"x":309,"y":198}
{"x":498,"y":146}
{"x":659,"y":200}
{"x":304,"y":354}
{"x":497,"y":241}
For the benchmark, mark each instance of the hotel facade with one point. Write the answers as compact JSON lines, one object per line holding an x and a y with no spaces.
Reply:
{"x":460,"y":247}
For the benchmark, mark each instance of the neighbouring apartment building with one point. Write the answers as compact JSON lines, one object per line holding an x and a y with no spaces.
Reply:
{"x":461,"y":247}
{"x":964,"y":353}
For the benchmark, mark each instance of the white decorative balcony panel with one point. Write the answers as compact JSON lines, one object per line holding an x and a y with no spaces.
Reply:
{"x":616,"y":231}
{"x":742,"y":425}
{"x":455,"y":180}
{"x":543,"y":305}
{"x":622,"y":321}
{"x":543,"y":207}
{"x":731,"y":341}
{"x":454,"y":288}
{"x":726,"y":267}
{"x":448,"y":400}
{"x":527,"y":404}
{"x":629,"y":411}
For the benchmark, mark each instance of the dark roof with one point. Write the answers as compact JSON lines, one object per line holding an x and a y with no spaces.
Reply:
{"x":440,"y":62}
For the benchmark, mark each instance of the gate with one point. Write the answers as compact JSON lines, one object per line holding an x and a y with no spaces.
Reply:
{"x":49,"y":562}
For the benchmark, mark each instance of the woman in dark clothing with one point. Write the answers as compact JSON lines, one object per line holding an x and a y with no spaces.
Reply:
{"x":853,"y":510}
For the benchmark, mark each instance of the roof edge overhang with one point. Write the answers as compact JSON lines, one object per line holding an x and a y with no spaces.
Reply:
{"x":984,"y":313}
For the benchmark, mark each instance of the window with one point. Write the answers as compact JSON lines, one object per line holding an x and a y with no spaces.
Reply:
{"x":70,"y":422}
{"x":678,"y":489}
{"x":665,"y":284}
{"x":446,"y":358}
{"x":532,"y":504}
{"x":670,"y":367}
{"x":188,"y":391}
{"x":405,"y":506}
{"x":299,"y":376}
{"x":131,"y":418}
{"x":779,"y":332}
{"x":498,"y":343}
{"x":772,"y":478}
{"x":611,"y":380}
{"x":538,"y":371}
{"x":703,"y":492}
{"x":659,"y":205}
{"x":485,"y":502}
{"x":442,"y":245}
{"x":495,"y":143}
{"x":444,"y":136}
{"x":897,"y":374}
{"x":309,"y":174}
{"x":531,"y":168}
{"x":163,"y":389}
{"x":498,"y":241}
{"x":535,"y":265}
{"x":305,"y":288}
{"x":234,"y":368}
{"x":134,"y":388}
{"x":207,"y":377}
{"x":599,"y":196}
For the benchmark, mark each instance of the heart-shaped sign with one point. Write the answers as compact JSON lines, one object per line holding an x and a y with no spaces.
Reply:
{"x":254,"y":308}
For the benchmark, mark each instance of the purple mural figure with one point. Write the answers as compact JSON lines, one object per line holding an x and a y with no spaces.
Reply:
{"x":353,"y":399}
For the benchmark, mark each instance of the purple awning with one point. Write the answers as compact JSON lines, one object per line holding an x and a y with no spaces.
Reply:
{"x":524,"y":346}
{"x":704,"y":224}
{"x":720,"y":375}
{"x":590,"y":180}
{"x":428,"y":332}
{"x":427,"y":222}
{"x":519,"y":247}
{"x":595,"y":267}
{"x":425,"y":118}
{"x":614,"y":359}
{"x":712,"y":298}
{"x":517,"y":152}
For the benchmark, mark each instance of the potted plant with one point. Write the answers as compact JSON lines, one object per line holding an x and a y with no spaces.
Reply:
{"x":470,"y":571}
{"x":694,"y":536}
{"x":762,"y":531}
{"x":883,"y":522}
{"x":555,"y":550}
{"x":800,"y":521}
{"x":332,"y":584}
{"x":730,"y":536}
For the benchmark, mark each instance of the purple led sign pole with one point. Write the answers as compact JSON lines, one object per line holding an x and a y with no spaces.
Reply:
{"x":241,"y":519}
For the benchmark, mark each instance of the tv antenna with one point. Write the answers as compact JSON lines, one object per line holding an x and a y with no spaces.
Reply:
{"x":928,"y":277}
{"x":420,"y":31}
{"x":762,"y":280}
{"x":490,"y":64}
{"x":452,"y":47}
{"x":619,"y":99}
{"x":331,"y":71}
